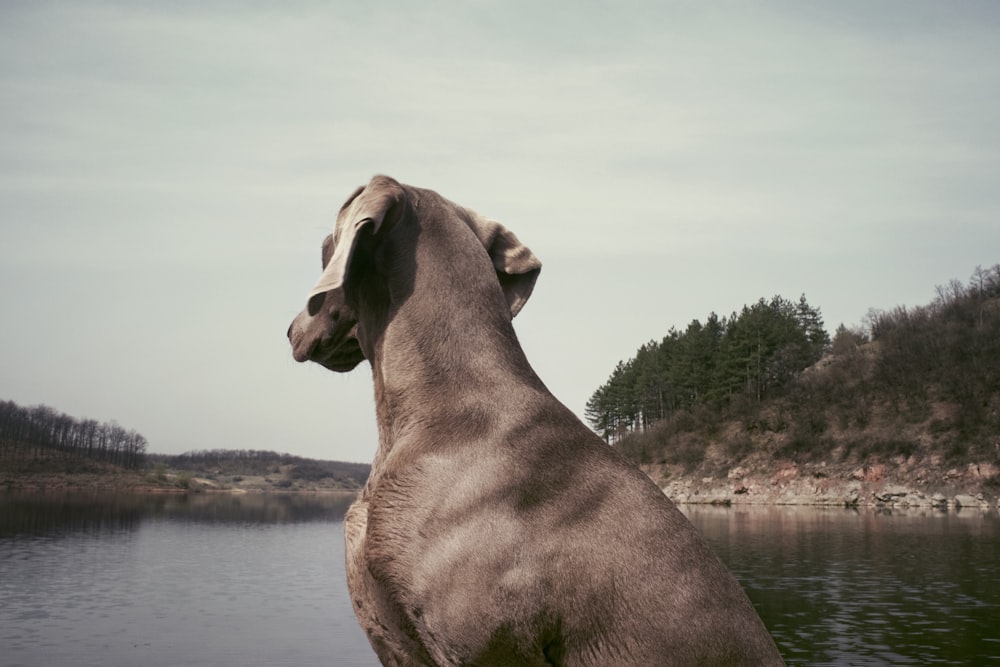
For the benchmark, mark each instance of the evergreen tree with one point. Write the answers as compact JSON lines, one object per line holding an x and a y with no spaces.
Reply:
{"x":755,"y":352}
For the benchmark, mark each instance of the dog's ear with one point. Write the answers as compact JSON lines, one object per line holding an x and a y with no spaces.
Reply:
{"x":326,"y":252}
{"x":367,"y":206}
{"x":517,"y":267}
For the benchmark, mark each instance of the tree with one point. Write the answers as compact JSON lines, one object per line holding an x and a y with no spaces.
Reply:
{"x":43,"y":432}
{"x":755,"y":352}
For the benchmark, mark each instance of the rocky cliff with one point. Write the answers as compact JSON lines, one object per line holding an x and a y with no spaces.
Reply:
{"x":898,"y":484}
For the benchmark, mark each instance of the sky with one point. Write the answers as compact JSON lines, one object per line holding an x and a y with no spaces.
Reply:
{"x":169,"y":170}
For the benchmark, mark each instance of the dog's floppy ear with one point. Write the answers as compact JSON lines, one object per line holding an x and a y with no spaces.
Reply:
{"x":517,"y":267}
{"x":368,"y":205}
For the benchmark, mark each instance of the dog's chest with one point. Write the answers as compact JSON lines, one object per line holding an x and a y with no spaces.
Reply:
{"x":376,"y":606}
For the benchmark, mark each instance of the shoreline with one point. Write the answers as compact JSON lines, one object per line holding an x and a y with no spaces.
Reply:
{"x":140,"y":484}
{"x":892,"y":486}
{"x":888,"y":486}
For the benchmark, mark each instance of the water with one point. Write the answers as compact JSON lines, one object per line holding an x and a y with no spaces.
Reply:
{"x":258,"y":580}
{"x":844,"y":587}
{"x":162,"y":581}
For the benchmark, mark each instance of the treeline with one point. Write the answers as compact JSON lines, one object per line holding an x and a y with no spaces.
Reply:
{"x":754,"y":353}
{"x":30,"y":434}
{"x":921,"y":381}
{"x":264,"y":462}
{"x":946,"y":353}
{"x":918,"y":381}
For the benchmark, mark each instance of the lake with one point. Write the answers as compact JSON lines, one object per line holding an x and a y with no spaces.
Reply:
{"x":258,"y":580}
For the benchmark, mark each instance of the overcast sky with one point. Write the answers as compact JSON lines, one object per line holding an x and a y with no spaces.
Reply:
{"x":169,"y":169}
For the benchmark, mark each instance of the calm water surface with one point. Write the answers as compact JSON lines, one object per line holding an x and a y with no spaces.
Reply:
{"x":259,"y":580}
{"x":844,"y":587}
{"x":160,"y":581}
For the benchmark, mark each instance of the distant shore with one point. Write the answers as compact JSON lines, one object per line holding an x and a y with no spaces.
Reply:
{"x":816,"y":484}
{"x":897,"y":485}
{"x":142,"y":482}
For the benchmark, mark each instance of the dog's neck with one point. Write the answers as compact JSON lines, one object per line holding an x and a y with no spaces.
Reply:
{"x":440,"y":365}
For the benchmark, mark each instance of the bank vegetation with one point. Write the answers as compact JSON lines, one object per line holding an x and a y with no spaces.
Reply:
{"x":911,"y":396}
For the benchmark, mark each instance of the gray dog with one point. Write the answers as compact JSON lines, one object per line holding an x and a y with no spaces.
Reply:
{"x":495,"y":528}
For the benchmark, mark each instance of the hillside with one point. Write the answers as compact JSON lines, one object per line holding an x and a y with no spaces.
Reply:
{"x":222,"y":469}
{"x":905,"y":412}
{"x":235,"y":471}
{"x":42,"y":448}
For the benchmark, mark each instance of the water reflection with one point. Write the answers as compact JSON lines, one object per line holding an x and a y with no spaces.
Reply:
{"x":840,"y":587}
{"x":35,"y":513}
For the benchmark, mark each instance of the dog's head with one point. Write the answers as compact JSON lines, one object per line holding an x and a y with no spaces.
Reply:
{"x":370,"y":260}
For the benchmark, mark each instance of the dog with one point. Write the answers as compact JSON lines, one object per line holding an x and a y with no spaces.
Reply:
{"x":495,"y":527}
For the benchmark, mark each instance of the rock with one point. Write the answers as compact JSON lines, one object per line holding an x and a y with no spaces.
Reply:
{"x":891,"y":494}
{"x":965,"y":500}
{"x":938,"y":500}
{"x":786,"y":473}
{"x":982,"y":470}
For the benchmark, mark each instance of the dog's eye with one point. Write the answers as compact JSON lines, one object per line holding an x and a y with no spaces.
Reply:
{"x":315,"y":303}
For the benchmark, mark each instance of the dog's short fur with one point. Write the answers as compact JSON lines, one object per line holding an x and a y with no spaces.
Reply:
{"x":495,"y":528}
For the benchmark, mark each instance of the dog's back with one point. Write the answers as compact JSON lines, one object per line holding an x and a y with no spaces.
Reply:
{"x":546,"y":547}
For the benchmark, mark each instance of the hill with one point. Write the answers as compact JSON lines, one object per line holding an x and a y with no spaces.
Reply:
{"x":255,"y":470}
{"x":905,"y":411}
{"x":42,"y":448}
{"x":219,"y":470}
